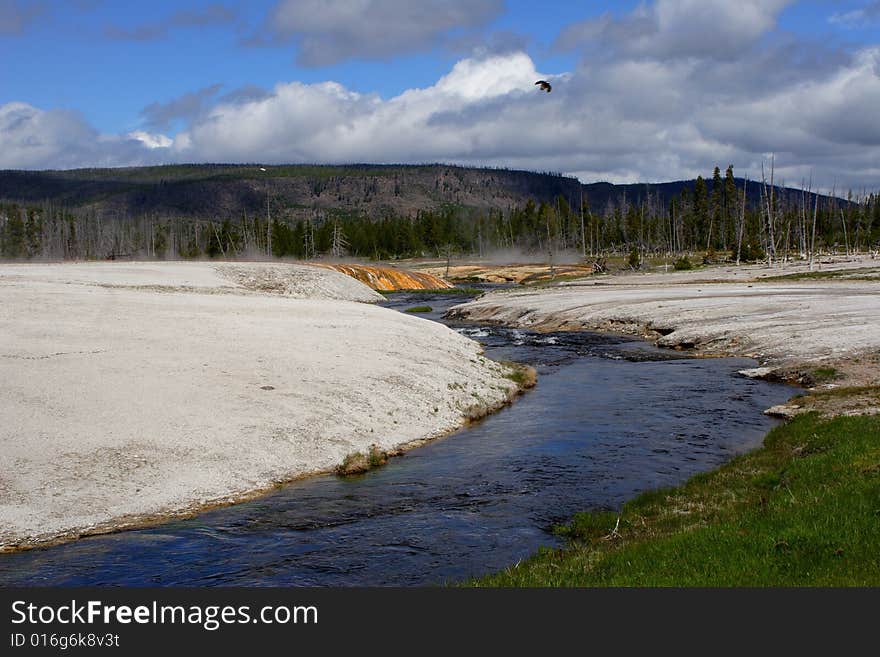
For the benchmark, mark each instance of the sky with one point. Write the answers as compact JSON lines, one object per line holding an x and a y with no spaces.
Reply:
{"x":642,"y":91}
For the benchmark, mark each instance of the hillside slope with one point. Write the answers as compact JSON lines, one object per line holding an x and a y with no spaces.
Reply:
{"x":221,"y":191}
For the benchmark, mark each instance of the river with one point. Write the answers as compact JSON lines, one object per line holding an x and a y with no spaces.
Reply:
{"x":610,"y":416}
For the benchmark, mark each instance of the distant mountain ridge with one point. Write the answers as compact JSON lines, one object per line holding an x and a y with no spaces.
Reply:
{"x":230,"y":191}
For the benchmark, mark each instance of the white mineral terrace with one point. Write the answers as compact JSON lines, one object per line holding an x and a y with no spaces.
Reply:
{"x":131,"y":391}
{"x":717,"y":311}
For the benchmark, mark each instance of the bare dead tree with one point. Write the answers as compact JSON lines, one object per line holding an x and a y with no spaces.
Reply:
{"x":813,"y":240}
{"x":804,"y":209}
{"x":309,"y":239}
{"x":268,"y":226}
{"x":446,"y":251}
{"x":771,"y":210}
{"x":583,"y":238}
{"x":550,"y":246}
{"x":742,"y":223}
{"x":339,"y":244}
{"x":769,"y":200}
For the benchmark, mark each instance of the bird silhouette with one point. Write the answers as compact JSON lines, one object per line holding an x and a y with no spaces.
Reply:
{"x":545,"y":86}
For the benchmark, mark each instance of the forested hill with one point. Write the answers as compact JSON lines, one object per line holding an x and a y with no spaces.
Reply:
{"x":218,"y":192}
{"x":379,"y":212}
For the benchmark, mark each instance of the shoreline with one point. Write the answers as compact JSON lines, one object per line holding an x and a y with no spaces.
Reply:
{"x":127,"y":406}
{"x":791,"y":373}
{"x":793,"y":329}
{"x":136,"y":522}
{"x":752,"y":521}
{"x":666,"y":537}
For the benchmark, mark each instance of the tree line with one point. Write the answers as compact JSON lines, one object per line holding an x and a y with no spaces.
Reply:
{"x":718,"y":217}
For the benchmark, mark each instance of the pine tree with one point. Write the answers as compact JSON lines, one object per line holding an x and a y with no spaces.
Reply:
{"x":731,"y":203}
{"x":701,"y":211}
{"x":715,"y":210}
{"x":309,"y":239}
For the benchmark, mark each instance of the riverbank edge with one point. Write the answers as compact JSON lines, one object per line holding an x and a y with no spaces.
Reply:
{"x":692,"y":534}
{"x":522,"y":376}
{"x":824,"y":405}
{"x":857,"y":369}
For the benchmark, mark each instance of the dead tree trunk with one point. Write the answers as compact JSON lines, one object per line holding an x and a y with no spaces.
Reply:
{"x":742,"y":223}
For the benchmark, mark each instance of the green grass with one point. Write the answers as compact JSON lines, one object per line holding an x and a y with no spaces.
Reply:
{"x":804,"y":510}
{"x":865,"y":274}
{"x":419,"y":309}
{"x":357,"y":463}
{"x":836,"y":401}
{"x":820,"y":396}
{"x":825,"y":374}
{"x":522,"y":375}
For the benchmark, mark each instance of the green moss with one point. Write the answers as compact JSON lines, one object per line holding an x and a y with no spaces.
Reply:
{"x":419,"y":309}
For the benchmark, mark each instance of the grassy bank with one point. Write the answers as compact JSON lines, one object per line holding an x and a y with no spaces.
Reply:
{"x":804,"y":510}
{"x":864,"y":274}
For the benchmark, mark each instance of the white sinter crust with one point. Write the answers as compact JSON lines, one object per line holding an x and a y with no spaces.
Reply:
{"x":132,"y":391}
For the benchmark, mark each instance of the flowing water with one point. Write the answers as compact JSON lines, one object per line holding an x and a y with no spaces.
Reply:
{"x":609,"y":417}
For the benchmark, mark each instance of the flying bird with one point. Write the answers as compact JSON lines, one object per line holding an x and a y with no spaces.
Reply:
{"x":545,"y":86}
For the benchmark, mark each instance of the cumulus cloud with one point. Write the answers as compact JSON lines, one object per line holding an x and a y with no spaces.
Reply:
{"x":245,"y":94}
{"x":187,"y":107}
{"x":329,"y":123}
{"x":329,"y":31}
{"x":31,"y":138}
{"x":151,"y":139}
{"x":628,"y":120}
{"x":624,"y":117}
{"x":211,"y":15}
{"x":678,"y":28}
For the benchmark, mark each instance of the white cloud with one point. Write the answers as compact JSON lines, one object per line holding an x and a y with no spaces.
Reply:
{"x":711,"y":29}
{"x":151,"y":140}
{"x":329,"y":31}
{"x":188,"y":107}
{"x":199,"y":18}
{"x":328,"y":123}
{"x":626,"y":117}
{"x":31,"y":138}
{"x":870,"y":13}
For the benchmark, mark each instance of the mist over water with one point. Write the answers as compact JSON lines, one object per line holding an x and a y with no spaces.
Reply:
{"x":609,"y":417}
{"x":518,"y":256}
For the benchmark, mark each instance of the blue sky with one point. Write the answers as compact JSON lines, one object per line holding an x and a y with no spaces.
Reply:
{"x":68,"y":58}
{"x":91,"y":82}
